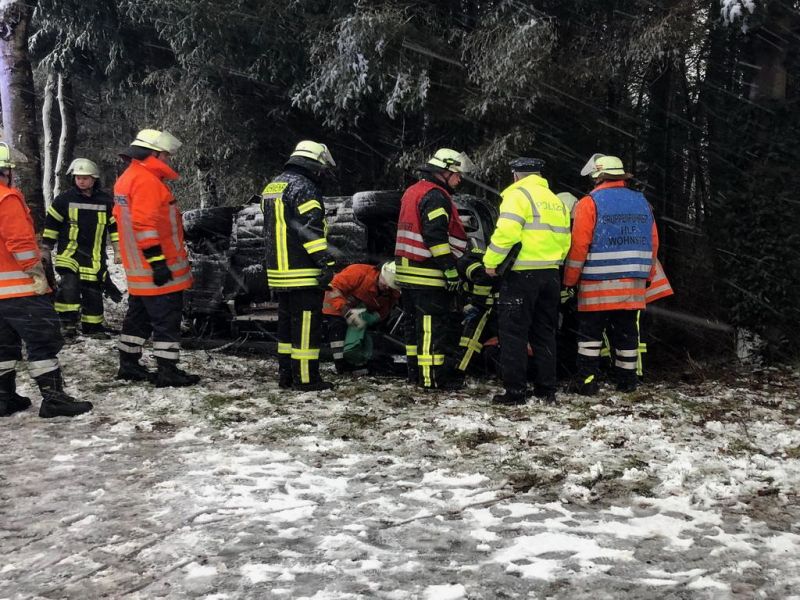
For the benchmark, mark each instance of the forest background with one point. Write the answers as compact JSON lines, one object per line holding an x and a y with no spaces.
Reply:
{"x":699,"y":98}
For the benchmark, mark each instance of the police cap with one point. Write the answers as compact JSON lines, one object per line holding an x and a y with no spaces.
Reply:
{"x":526,"y":165}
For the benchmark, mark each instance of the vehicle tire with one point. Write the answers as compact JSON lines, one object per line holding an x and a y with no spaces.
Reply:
{"x":206,"y":296}
{"x":214,"y":223}
{"x":377,"y":205}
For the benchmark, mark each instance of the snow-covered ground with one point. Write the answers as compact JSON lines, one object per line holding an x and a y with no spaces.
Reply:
{"x":236,"y":489}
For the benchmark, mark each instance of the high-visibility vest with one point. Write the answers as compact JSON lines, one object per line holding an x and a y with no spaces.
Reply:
{"x":147,"y":215}
{"x":18,"y":247}
{"x":622,"y":244}
{"x":534,"y":216}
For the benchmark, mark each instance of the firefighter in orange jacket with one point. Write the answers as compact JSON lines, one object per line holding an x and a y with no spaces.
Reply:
{"x":155,"y":260}
{"x":430,"y":239}
{"x":611,"y":259}
{"x":360,"y":296}
{"x":26,"y":314}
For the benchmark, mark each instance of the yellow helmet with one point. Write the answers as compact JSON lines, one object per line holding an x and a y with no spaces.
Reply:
{"x":6,"y":161}
{"x":450,"y":160}
{"x":160,"y":141}
{"x":314,"y":151}
{"x":601,"y":164}
{"x":83,"y":166}
{"x":388,"y":275}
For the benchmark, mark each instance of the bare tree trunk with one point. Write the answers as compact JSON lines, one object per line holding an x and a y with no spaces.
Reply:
{"x":18,"y":99}
{"x":48,"y":141}
{"x":66,"y":141}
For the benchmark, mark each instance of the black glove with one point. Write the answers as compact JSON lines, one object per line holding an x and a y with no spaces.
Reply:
{"x":326,"y":275}
{"x":111,"y":291}
{"x":161,"y":273}
{"x":451,"y":280}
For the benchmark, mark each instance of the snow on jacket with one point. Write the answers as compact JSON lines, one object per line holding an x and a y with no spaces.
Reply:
{"x":18,"y":247}
{"x":625,"y":293}
{"x":80,"y":225}
{"x":356,"y":286}
{"x":148,"y":218}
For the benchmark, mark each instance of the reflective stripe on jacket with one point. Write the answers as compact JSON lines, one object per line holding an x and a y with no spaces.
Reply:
{"x":618,"y":293}
{"x":356,"y":286}
{"x":147,"y":215}
{"x":295,"y":230}
{"x":18,"y":247}
{"x":81,"y":225}
{"x":533,"y":215}
{"x":430,"y":236}
{"x":659,"y":287}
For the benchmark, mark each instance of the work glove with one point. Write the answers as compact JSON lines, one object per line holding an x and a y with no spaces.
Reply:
{"x":326,"y":276}
{"x":471,"y":312}
{"x":161,"y":273}
{"x":567,"y":294}
{"x":111,"y":290}
{"x":355,"y":319}
{"x":451,"y":280}
{"x":117,"y":254}
{"x":40,"y":285}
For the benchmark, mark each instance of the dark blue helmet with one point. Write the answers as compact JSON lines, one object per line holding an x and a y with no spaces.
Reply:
{"x":526,"y":165}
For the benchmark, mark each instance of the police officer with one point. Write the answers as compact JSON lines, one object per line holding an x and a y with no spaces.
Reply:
{"x":80,"y":220}
{"x":430,"y":239}
{"x":300,"y":264}
{"x":26,"y":314}
{"x":155,"y":260}
{"x":531,"y":215}
{"x":613,"y":255}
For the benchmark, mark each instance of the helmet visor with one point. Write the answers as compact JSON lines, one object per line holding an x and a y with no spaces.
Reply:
{"x":589,"y":167}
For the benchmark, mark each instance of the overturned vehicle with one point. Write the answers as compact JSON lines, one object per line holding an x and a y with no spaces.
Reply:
{"x":231,"y":300}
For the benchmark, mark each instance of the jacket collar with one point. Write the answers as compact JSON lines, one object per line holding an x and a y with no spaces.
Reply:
{"x":616,"y":183}
{"x":534,"y":179}
{"x":157,"y":167}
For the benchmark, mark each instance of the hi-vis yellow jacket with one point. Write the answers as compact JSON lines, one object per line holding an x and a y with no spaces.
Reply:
{"x":530,"y":213}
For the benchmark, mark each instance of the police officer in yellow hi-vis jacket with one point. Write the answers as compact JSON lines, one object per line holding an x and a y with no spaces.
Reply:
{"x":534,"y":217}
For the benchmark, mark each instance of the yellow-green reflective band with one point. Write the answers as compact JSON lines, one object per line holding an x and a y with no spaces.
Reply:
{"x":316,"y":245}
{"x":440,"y":249}
{"x":54,"y":213}
{"x":114,"y":237}
{"x":63,"y":307}
{"x":50,"y":233}
{"x":275,"y":187}
{"x":307,"y":206}
{"x":411,"y":350}
{"x":428,"y":360}
{"x":466,"y":342}
{"x":69,"y":263}
{"x":471,"y":269}
{"x":289,"y":283}
{"x":284,"y":348}
{"x":155,"y":258}
{"x":299,"y":354}
{"x":439,"y":212}
{"x":589,"y":379}
{"x":287,"y":273}
{"x":420,"y":281}
{"x":92,"y":319}
{"x":481,"y":290}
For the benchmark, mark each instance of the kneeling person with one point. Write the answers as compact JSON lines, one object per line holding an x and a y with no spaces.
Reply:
{"x":360,"y":296}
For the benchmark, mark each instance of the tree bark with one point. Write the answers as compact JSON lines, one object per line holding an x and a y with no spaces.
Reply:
{"x":66,"y":141}
{"x":48,"y":141}
{"x":19,"y":101}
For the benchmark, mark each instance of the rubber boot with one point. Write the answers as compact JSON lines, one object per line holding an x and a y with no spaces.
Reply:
{"x":94,"y":331}
{"x":284,"y":372}
{"x":69,"y":331}
{"x":314,"y":386}
{"x":510,"y":398}
{"x":131,"y":370}
{"x":169,"y":375}
{"x":586,"y":386}
{"x":10,"y":401}
{"x":55,"y":401}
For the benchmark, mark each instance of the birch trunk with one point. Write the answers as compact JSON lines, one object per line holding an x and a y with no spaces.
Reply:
{"x":48,"y":140}
{"x":66,"y":141}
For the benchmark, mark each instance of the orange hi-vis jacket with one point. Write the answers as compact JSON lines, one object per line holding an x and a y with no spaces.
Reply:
{"x":605,"y":294}
{"x":355,"y":286}
{"x":147,"y":215}
{"x":19,"y":249}
{"x":658,"y":287}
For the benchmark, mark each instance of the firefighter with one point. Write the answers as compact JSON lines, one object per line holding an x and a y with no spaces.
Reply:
{"x":612,"y":257}
{"x":534,"y":217}
{"x":430,"y":239}
{"x":478,"y":321}
{"x":300,"y":264}
{"x":80,"y":221}
{"x":360,"y":296}
{"x":155,"y":260}
{"x":26,"y":313}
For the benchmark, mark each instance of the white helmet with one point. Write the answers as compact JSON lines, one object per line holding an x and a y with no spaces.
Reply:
{"x":450,"y":160}
{"x":83,"y":166}
{"x":160,"y":141}
{"x":602,"y":164}
{"x":316,"y":152}
{"x":388,"y":275}
{"x":6,"y":160}
{"x":569,"y":201}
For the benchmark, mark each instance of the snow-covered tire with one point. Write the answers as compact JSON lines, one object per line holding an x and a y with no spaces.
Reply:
{"x":368,"y":206}
{"x":206,"y":296}
{"x":215,"y":223}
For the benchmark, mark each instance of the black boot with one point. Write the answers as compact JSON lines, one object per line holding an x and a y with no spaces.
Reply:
{"x":69,"y":331}
{"x":55,"y":401}
{"x":96,"y":332}
{"x":314,"y":386}
{"x":510,"y":398}
{"x":586,"y":386}
{"x":10,"y":401}
{"x":284,"y":372}
{"x":169,"y":375}
{"x":131,"y":370}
